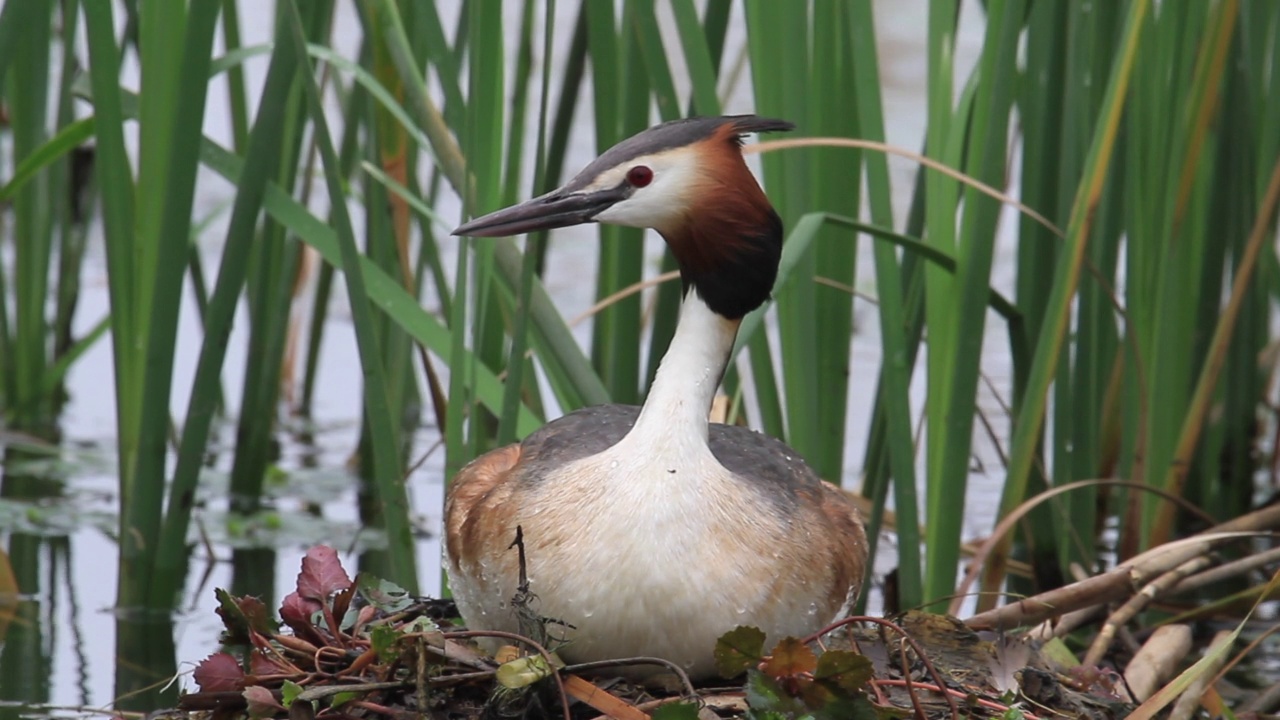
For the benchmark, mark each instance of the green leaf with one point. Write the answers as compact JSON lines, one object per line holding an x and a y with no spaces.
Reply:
{"x":71,"y":136}
{"x":523,"y":672}
{"x":849,"y":670}
{"x":738,"y":650}
{"x":342,"y":699}
{"x":290,"y":692}
{"x":383,"y":639}
{"x":383,"y":594}
{"x":764,"y":694}
{"x":422,"y":624}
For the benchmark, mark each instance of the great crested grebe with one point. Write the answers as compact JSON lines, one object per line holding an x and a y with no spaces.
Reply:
{"x":649,"y":530}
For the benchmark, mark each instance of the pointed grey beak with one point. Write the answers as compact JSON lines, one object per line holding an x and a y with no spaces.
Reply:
{"x":554,"y":210}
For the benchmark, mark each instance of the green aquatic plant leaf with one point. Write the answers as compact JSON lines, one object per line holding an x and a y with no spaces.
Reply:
{"x":767,"y":699}
{"x":383,"y":594}
{"x":342,"y":699}
{"x":290,"y":692}
{"x":847,"y":670}
{"x":383,"y":639}
{"x":523,"y":672}
{"x":738,"y":650}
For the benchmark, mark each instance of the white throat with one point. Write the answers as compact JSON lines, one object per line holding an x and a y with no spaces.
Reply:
{"x":687,"y":379}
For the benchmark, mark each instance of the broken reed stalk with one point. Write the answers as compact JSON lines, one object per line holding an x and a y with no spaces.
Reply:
{"x":1139,"y":602}
{"x":1119,"y":582}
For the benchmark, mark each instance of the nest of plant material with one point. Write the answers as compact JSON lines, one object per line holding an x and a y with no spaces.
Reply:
{"x":367,"y":649}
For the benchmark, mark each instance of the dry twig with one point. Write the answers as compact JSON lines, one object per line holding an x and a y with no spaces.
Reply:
{"x":1139,"y":602}
{"x":1156,"y":662}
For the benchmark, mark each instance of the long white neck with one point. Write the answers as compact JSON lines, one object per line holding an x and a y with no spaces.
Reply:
{"x":682,"y":391}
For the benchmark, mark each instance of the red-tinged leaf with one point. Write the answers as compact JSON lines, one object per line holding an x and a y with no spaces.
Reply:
{"x":366,"y":615}
{"x":234,"y":622}
{"x":261,"y":664}
{"x":242,"y":616}
{"x":295,"y":608}
{"x":260,"y":620}
{"x":790,"y":658}
{"x":322,"y":574}
{"x":738,"y":650}
{"x":262,"y":704}
{"x":342,"y":601}
{"x":848,"y":670}
{"x":219,"y":673}
{"x":296,"y":612}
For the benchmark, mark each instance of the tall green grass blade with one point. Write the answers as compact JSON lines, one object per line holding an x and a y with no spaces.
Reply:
{"x":387,"y":243}
{"x":975,"y":251}
{"x":356,"y":106}
{"x":14,"y":17}
{"x":574,"y":381}
{"x":59,"y":146}
{"x":115,"y":180}
{"x":618,"y":77}
{"x":833,"y":188}
{"x":695,"y":43}
{"x":237,"y":96}
{"x":387,"y":293}
{"x":1200,"y":108}
{"x":28,"y":97}
{"x":518,"y":382}
{"x":263,"y":151}
{"x":386,"y":462}
{"x":171,"y":163}
{"x":1053,"y":333}
{"x":648,"y":34}
{"x":777,"y":39}
{"x":896,"y":367}
{"x":273,"y":267}
{"x":482,"y":144}
{"x":57,"y":372}
{"x":940,"y":203}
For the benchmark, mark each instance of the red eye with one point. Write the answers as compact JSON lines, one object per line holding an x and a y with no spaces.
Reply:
{"x":639,"y":176}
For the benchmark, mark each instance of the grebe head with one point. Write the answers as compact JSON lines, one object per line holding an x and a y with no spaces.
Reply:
{"x":686,"y":179}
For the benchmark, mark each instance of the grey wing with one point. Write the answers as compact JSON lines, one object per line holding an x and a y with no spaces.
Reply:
{"x":778,"y":471}
{"x":579,"y":434}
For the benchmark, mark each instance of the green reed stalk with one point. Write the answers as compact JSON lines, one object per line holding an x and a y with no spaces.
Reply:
{"x":27,"y":339}
{"x":897,"y":371}
{"x":985,"y":161}
{"x":273,"y":268}
{"x":1066,"y":278}
{"x":264,"y":148}
{"x":378,"y":408}
{"x":147,"y":247}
